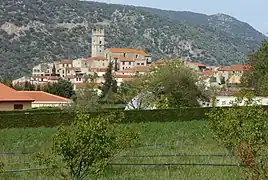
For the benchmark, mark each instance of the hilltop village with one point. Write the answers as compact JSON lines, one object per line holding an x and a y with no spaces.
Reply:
{"x":129,"y":62}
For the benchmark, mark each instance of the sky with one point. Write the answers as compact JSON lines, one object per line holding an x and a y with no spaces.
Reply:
{"x":254,"y":12}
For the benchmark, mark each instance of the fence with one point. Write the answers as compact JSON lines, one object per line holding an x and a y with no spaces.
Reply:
{"x":140,"y":156}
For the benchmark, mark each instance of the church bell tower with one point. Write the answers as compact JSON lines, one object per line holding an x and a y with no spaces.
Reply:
{"x":97,"y":43}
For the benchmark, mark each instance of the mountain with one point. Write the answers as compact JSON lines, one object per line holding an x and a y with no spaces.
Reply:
{"x":35,"y":31}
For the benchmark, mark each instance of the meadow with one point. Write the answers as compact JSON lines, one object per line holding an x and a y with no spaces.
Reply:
{"x":156,"y":138}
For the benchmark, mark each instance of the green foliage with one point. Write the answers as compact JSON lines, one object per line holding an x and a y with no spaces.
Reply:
{"x":86,"y":146}
{"x":176,"y":82}
{"x":110,"y":84}
{"x":53,"y":119}
{"x":243,"y":131}
{"x":63,"y":88}
{"x":35,"y":119}
{"x":257,"y":77}
{"x":87,"y":98}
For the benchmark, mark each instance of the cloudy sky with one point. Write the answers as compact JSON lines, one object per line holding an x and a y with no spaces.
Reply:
{"x":254,"y":12}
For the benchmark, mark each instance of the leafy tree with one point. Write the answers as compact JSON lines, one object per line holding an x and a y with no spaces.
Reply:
{"x":178,"y":83}
{"x":85,"y":148}
{"x":256,"y":78}
{"x":171,"y":86}
{"x":62,"y":88}
{"x":87,"y":97}
{"x":242,"y":130}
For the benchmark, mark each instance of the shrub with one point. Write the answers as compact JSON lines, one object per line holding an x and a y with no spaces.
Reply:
{"x":243,"y":131}
{"x":53,"y":119}
{"x":86,"y":146}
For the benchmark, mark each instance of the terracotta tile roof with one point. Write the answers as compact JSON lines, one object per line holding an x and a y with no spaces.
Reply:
{"x":235,"y":67}
{"x":9,"y":94}
{"x":97,"y":58}
{"x":128,"y":50}
{"x":124,"y":59}
{"x":42,"y":96}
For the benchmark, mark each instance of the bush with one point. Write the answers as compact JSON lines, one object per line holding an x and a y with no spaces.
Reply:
{"x":40,"y":110}
{"x":53,"y":119}
{"x":35,"y":119}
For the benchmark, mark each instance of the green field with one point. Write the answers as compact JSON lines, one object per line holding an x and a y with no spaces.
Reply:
{"x":190,"y":137}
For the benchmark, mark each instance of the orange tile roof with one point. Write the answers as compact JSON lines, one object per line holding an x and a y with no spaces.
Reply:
{"x":9,"y":94}
{"x":124,"y":59}
{"x":235,"y":67}
{"x":42,"y":96}
{"x":128,"y":50}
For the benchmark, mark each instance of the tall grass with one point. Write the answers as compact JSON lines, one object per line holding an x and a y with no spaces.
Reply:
{"x":155,"y":139}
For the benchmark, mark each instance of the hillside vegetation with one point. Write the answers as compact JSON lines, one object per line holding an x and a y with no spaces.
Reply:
{"x":33,"y":31}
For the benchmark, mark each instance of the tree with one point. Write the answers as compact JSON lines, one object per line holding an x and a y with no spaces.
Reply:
{"x":256,"y":78}
{"x":87,"y":97}
{"x":170,"y":86}
{"x":29,"y":86}
{"x":110,"y":83}
{"x":62,"y":88}
{"x":85,"y":148}
{"x":242,"y":130}
{"x":178,"y":83}
{"x":54,"y":70}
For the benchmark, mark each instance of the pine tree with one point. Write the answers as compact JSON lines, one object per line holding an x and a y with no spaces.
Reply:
{"x":53,"y":70}
{"x":110,"y":83}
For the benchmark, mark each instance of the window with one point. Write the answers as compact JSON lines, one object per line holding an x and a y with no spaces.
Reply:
{"x":136,"y":55}
{"x":100,"y":42}
{"x":138,"y":64}
{"x":124,"y":54}
{"x":142,"y":64}
{"x":123,"y":67}
{"x":100,"y":50}
{"x":223,"y":102}
{"x":124,"y":63}
{"x":18,"y":106}
{"x":129,"y":63}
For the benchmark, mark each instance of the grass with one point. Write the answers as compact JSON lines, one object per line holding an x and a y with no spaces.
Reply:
{"x":174,"y":137}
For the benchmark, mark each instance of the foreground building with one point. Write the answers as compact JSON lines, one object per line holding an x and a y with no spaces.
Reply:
{"x":10,"y":99}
